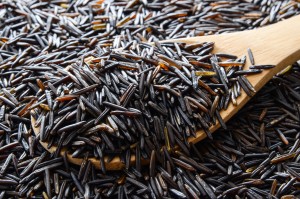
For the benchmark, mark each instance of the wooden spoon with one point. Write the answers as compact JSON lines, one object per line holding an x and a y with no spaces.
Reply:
{"x":277,"y":44}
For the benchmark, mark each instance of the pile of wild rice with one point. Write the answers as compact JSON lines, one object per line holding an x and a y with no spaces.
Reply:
{"x":141,"y":98}
{"x":136,"y":98}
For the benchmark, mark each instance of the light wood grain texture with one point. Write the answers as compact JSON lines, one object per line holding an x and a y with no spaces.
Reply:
{"x":277,"y":44}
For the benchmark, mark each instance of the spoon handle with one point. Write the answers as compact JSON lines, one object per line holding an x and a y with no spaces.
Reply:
{"x":277,"y":44}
